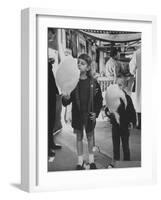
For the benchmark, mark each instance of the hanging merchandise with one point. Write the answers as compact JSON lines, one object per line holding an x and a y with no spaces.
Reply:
{"x":67,"y":75}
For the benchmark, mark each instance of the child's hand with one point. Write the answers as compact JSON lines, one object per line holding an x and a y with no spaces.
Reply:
{"x":131,"y":126}
{"x":107,"y":112}
{"x":92,"y":116}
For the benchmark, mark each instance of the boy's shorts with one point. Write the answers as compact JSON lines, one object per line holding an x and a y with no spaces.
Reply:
{"x":80,"y":132}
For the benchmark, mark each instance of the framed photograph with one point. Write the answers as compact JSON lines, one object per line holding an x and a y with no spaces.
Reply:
{"x":86,"y":82}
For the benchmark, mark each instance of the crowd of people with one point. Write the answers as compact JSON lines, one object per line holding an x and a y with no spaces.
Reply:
{"x":87,"y":102}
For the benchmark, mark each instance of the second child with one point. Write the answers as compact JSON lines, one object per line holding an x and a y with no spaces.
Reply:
{"x":121,"y":130}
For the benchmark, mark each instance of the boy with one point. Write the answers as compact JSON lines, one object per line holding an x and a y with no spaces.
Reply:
{"x":86,"y":101}
{"x":120,"y":128}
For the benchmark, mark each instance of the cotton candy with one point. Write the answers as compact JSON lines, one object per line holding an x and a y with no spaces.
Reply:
{"x":112,"y":97}
{"x":67,"y":75}
{"x":52,"y":53}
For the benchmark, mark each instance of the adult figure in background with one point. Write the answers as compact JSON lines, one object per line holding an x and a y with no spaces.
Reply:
{"x":135,"y":69}
{"x":112,"y":67}
{"x":52,"y":92}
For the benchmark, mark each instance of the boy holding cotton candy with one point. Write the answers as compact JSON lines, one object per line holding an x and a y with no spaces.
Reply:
{"x":120,"y":110}
{"x":86,"y":101}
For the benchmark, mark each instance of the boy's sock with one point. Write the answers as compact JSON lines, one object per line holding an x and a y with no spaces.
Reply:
{"x":80,"y":160}
{"x":91,"y":158}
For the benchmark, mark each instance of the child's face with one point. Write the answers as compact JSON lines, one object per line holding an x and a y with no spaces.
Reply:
{"x":82,"y":65}
{"x":121,"y":84}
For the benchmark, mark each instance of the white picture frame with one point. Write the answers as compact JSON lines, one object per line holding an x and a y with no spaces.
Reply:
{"x":35,"y":177}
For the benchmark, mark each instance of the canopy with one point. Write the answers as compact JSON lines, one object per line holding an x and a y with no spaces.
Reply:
{"x":112,"y":36}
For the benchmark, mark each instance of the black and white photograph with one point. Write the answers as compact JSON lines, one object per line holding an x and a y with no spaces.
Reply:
{"x":94,"y":99}
{"x":80,"y":100}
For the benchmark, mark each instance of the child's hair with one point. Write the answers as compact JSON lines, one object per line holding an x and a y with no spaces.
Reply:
{"x":121,"y":80}
{"x":88,"y":59}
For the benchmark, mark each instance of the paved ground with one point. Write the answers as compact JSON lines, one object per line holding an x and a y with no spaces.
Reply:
{"x":66,"y":158}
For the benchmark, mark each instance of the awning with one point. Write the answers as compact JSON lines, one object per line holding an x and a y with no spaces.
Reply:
{"x":112,"y":36}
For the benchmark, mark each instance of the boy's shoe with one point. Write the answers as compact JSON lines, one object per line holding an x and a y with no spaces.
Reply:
{"x":51,"y":156}
{"x":93,"y":166}
{"x":80,"y":167}
{"x":51,"y":159}
{"x":110,"y":166}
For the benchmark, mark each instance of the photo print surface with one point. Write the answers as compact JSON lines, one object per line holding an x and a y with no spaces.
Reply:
{"x":94,"y":99}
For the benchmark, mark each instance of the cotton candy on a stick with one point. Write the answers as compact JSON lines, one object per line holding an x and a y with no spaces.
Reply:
{"x":67,"y":75}
{"x":112,"y":97}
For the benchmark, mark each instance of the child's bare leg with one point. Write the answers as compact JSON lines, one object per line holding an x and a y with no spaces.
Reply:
{"x":79,"y":144}
{"x":90,"y":139}
{"x":90,"y":144}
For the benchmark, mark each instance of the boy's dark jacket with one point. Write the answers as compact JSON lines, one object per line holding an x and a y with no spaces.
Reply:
{"x":127,"y":114}
{"x":94,"y":105}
